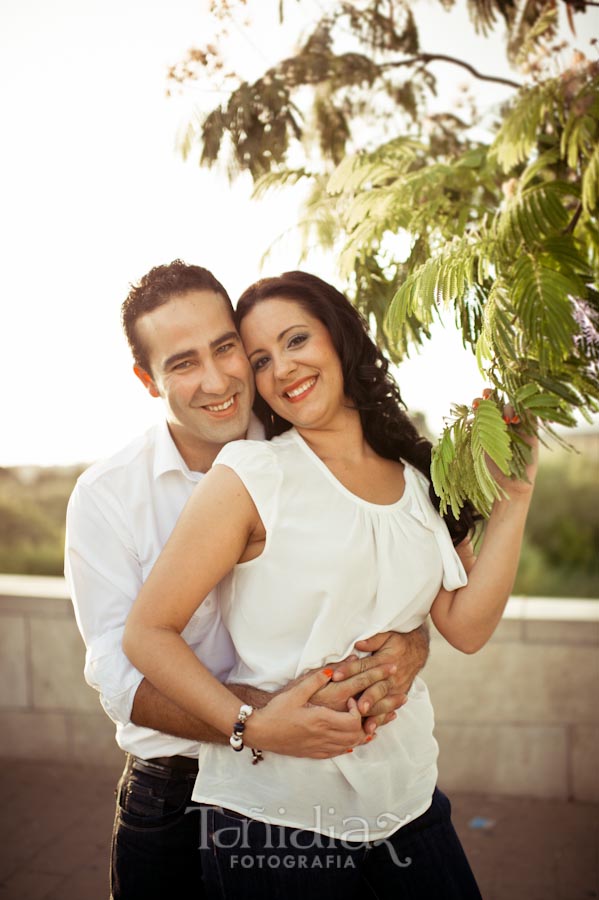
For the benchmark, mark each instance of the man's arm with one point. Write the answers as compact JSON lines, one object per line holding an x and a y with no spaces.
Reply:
{"x":104,"y":576}
{"x":151,"y":709}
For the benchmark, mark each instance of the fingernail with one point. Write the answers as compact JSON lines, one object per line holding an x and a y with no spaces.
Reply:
{"x":393,"y":669}
{"x":350,"y":750}
{"x":393,"y":716}
{"x":327,"y":672}
{"x":369,"y":738}
{"x":364,"y":707}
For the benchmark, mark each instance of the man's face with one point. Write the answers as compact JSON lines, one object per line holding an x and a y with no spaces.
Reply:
{"x":198,"y":366}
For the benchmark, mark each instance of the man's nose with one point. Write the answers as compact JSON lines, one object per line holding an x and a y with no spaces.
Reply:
{"x":213,"y":380}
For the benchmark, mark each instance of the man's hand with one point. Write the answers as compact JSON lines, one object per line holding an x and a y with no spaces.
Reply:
{"x":380,"y":681}
{"x":407,"y":653}
{"x":356,"y":678}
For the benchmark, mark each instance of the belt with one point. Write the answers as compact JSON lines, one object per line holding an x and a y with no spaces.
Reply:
{"x":165,"y":764}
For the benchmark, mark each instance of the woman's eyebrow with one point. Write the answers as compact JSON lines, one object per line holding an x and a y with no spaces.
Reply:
{"x":279,"y":336}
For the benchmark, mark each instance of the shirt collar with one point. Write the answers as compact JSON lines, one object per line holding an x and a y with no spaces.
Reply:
{"x":168,"y":459}
{"x":166,"y":456}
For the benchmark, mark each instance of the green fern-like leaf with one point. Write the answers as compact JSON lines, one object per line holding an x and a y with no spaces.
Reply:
{"x":590,"y":184}
{"x":443,"y":279}
{"x":278,"y":179}
{"x":518,"y":136}
{"x":541,"y":298}
{"x":533,"y":213}
{"x":489,"y":435}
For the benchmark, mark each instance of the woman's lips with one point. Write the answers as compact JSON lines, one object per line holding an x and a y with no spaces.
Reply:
{"x":298,"y":391}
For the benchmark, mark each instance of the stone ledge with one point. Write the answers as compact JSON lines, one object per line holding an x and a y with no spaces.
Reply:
{"x":38,"y":586}
{"x":546,"y":620}
{"x":34,"y":595}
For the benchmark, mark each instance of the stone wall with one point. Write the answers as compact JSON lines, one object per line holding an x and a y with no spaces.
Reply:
{"x":47,"y":711}
{"x":520,"y":717}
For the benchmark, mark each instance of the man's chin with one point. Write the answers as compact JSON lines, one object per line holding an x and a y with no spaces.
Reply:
{"x":223,"y":432}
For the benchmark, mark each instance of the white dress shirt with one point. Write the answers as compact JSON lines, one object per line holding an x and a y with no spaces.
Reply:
{"x":119,"y":517}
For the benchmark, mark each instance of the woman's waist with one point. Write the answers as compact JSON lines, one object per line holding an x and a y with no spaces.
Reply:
{"x":380,"y":783}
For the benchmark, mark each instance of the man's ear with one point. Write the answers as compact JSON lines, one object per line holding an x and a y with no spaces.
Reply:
{"x":146,"y":380}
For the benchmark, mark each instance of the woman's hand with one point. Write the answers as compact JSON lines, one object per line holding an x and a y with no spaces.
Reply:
{"x":514,"y":487}
{"x":289,"y":726}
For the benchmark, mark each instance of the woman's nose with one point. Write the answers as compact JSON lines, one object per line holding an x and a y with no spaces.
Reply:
{"x":283,"y":366}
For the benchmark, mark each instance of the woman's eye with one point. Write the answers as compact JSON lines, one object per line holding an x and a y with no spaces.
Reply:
{"x":297,"y":339}
{"x":259,"y":363}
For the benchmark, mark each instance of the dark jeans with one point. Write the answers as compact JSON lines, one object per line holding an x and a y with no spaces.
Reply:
{"x":155,"y":845}
{"x":424,"y":860}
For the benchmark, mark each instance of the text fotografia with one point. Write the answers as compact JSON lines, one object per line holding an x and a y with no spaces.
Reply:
{"x":302,"y":861}
{"x":235,"y":835}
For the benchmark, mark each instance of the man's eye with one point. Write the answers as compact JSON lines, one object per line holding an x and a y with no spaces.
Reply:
{"x":224,"y":347}
{"x":182,"y":365}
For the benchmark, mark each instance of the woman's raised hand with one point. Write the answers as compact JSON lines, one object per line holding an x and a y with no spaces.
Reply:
{"x":514,"y":487}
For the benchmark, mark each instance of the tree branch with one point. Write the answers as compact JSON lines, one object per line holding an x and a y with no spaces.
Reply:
{"x":441,"y":57}
{"x":574,"y":221}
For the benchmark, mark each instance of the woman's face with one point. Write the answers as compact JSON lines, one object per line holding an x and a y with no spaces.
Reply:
{"x":297,"y":370}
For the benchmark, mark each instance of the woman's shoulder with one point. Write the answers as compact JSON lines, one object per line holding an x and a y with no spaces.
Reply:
{"x":246,"y":452}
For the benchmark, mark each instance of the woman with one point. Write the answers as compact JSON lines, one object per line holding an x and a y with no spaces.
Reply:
{"x":322,"y":535}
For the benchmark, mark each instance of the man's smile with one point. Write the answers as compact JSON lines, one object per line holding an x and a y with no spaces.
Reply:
{"x":226,"y":407}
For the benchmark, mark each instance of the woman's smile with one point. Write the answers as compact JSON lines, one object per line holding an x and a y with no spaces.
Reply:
{"x":300,"y":389}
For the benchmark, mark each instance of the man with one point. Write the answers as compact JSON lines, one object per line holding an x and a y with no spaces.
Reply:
{"x":179,"y":324}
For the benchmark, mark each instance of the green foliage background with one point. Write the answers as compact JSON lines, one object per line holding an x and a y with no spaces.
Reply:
{"x":32,"y":518}
{"x":499,"y":220}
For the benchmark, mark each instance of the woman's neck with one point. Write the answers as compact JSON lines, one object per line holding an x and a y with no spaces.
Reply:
{"x":343,"y":439}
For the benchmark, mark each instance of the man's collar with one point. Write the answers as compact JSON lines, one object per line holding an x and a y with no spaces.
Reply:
{"x":168,"y":459}
{"x":166,"y":456}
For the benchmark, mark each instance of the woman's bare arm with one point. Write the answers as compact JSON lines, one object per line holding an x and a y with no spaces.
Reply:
{"x":468,"y":617}
{"x":211,"y":535}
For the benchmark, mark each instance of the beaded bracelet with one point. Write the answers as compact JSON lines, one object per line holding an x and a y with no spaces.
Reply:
{"x":236,"y":739}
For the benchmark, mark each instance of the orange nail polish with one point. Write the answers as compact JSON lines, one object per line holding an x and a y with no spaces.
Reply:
{"x":327,"y":672}
{"x":350,"y":750}
{"x":369,"y":738}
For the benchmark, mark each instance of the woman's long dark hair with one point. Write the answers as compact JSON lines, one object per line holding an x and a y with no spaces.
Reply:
{"x":366,"y":378}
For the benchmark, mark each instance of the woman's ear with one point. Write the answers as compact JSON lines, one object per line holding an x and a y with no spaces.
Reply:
{"x":147,"y":381}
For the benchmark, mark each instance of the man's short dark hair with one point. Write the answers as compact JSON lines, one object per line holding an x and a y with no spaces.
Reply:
{"x":160,"y":285}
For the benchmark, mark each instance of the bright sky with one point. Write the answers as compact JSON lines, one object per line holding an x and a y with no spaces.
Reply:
{"x":93,"y":195}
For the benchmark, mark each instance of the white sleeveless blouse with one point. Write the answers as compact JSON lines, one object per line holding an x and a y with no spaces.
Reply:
{"x":335,"y":569}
